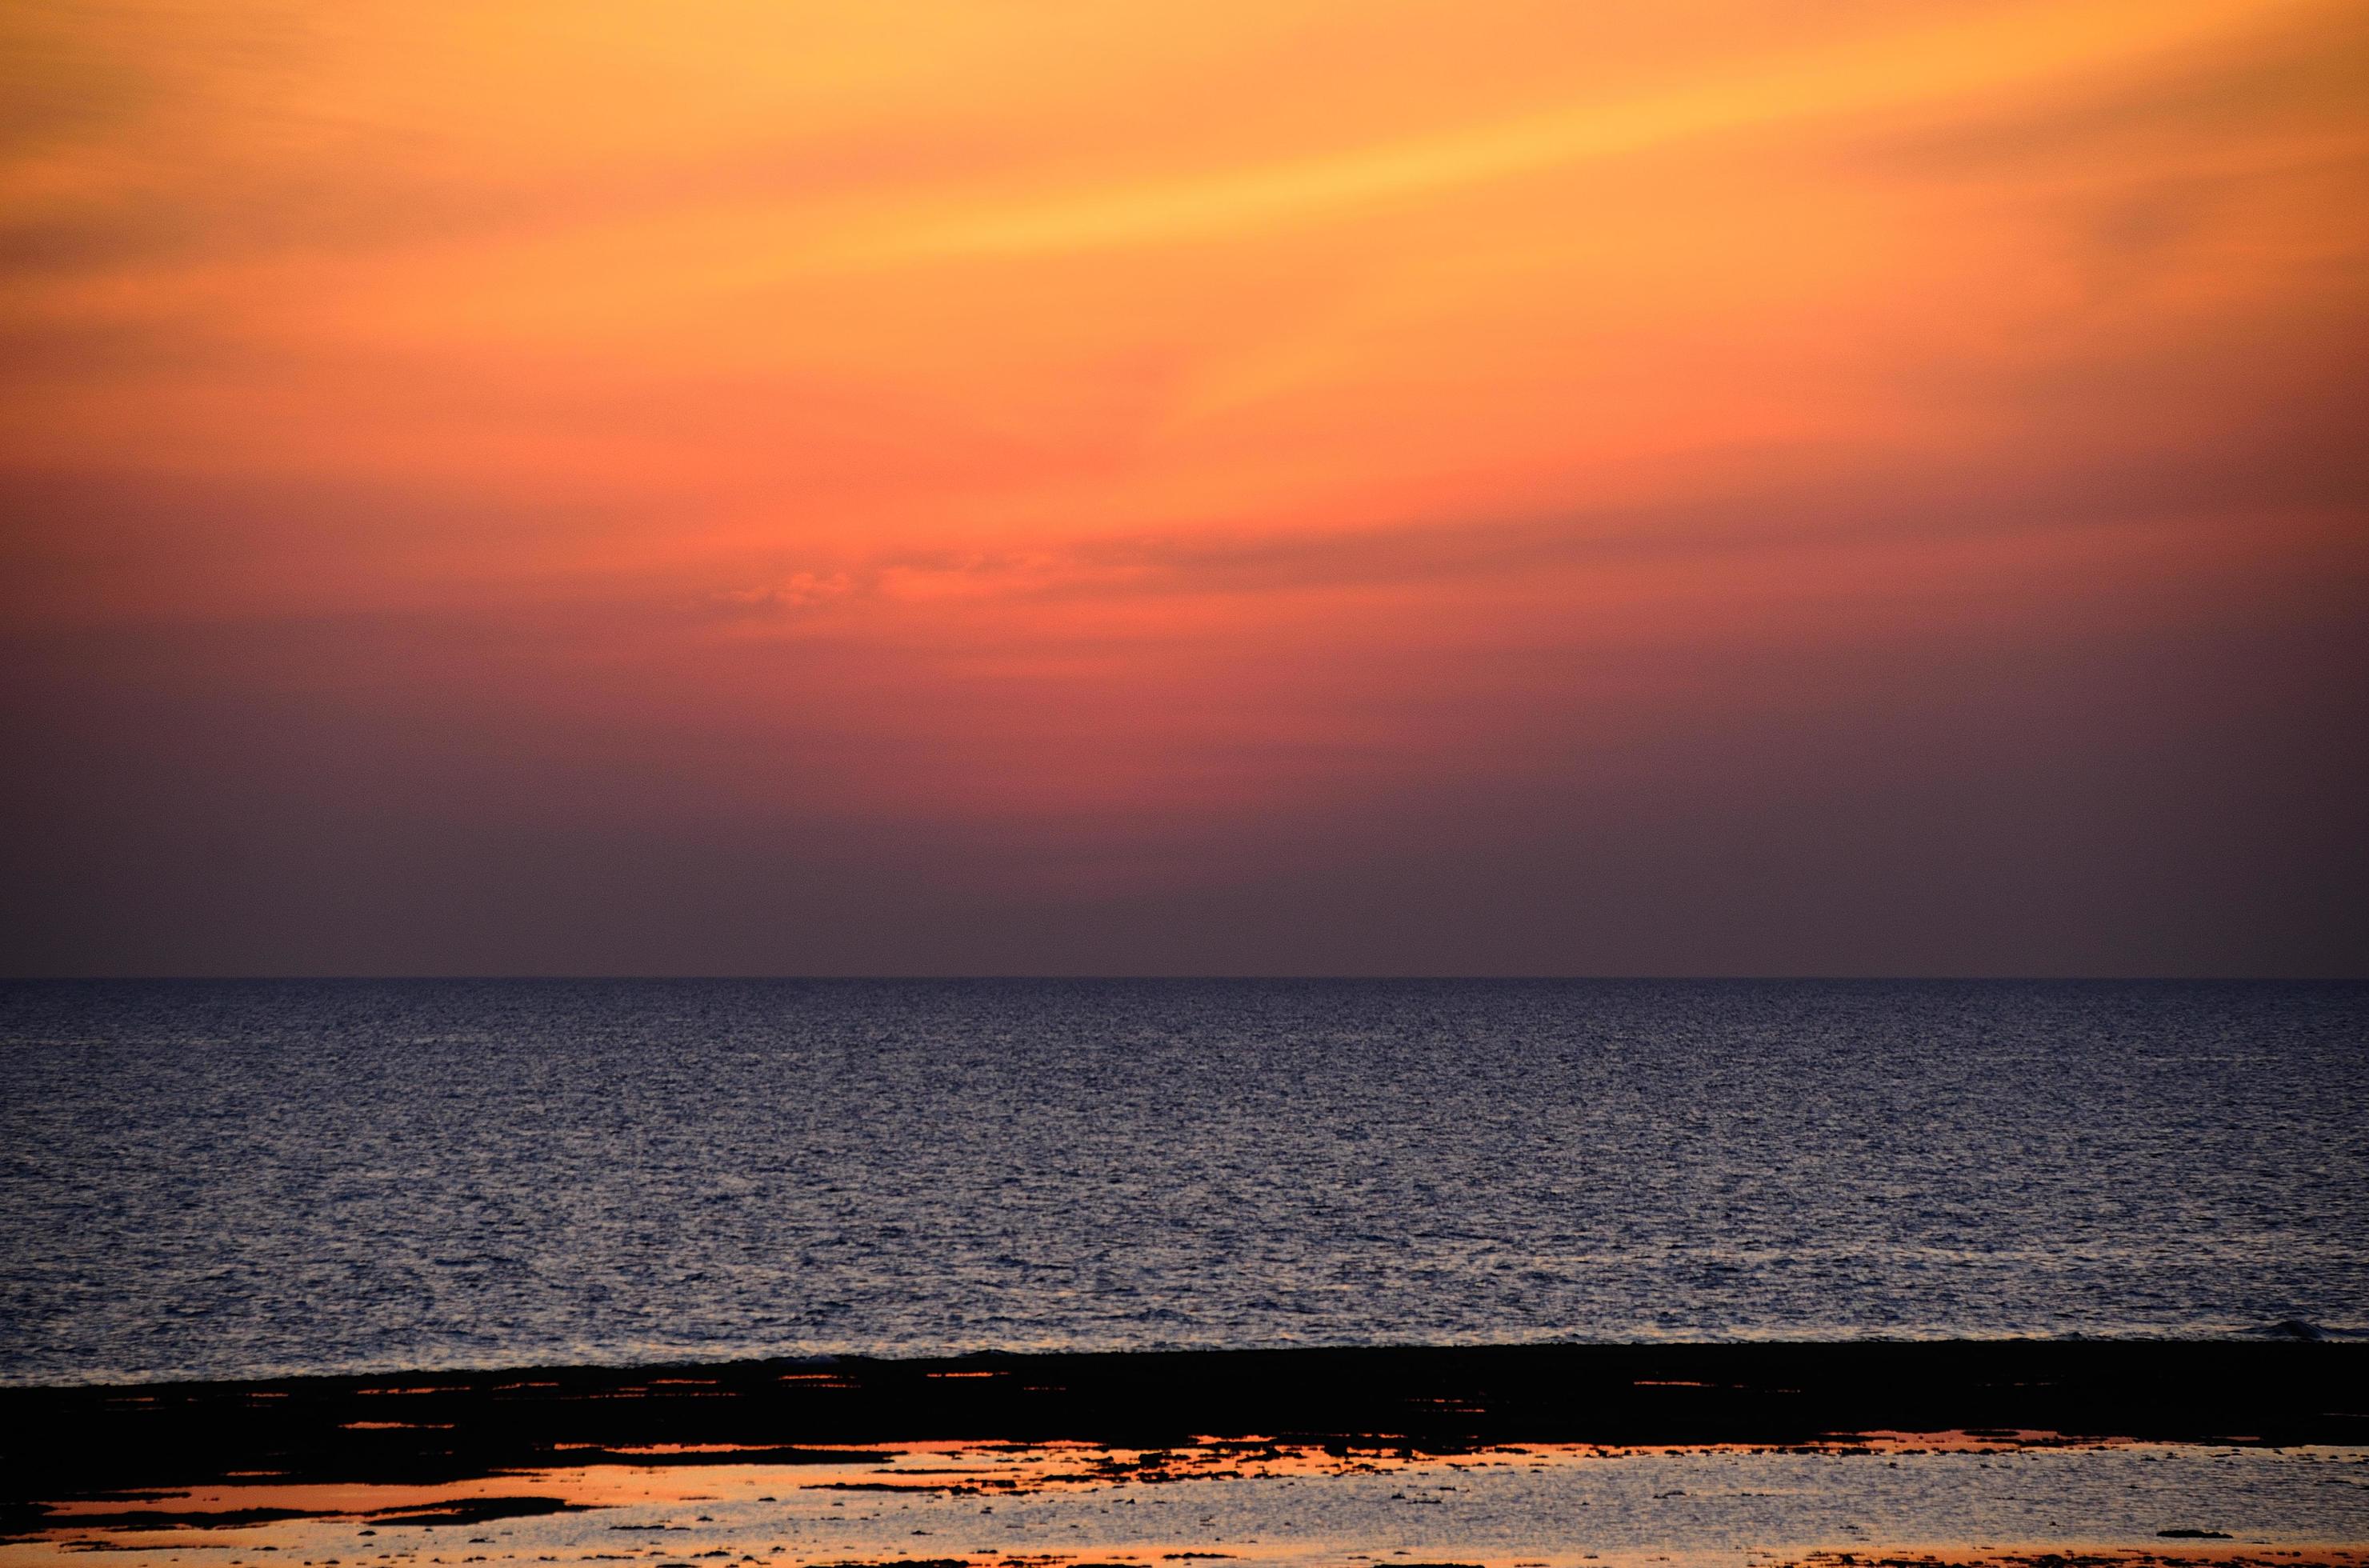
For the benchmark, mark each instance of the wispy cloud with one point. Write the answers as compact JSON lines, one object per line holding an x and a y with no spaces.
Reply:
{"x":1929,"y":70}
{"x":979,"y":421}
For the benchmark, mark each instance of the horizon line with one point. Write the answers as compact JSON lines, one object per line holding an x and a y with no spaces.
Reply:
{"x":953,"y":977}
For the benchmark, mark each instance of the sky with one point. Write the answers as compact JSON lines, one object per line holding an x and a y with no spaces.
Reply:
{"x":1209,"y":486}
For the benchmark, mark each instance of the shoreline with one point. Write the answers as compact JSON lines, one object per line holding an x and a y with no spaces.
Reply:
{"x":1258,"y":1504}
{"x":59,"y":1442}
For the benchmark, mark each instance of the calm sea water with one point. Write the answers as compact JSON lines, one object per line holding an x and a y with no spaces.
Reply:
{"x":240,"y":1178}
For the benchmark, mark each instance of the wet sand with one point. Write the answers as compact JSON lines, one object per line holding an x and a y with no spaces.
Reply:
{"x":1275,"y":1505}
{"x":2049,"y":1452}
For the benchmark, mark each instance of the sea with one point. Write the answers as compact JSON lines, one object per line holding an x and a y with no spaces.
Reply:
{"x":231,"y":1179}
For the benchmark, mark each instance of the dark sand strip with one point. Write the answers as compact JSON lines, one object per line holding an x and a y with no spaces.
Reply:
{"x":428,"y":1427}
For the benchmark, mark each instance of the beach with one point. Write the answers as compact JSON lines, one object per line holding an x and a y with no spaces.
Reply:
{"x":1548,"y":1457}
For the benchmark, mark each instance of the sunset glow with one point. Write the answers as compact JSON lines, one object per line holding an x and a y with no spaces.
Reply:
{"x":1697,"y":488}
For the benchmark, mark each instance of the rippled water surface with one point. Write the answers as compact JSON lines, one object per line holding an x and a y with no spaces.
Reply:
{"x":235,"y":1178}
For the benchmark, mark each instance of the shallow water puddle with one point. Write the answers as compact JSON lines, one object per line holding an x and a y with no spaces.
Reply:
{"x":1247,"y":1503}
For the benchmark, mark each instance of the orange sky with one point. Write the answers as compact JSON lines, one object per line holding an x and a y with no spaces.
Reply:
{"x":1030,"y":484}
